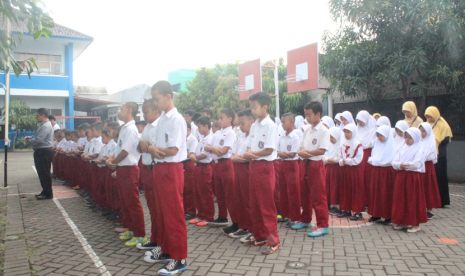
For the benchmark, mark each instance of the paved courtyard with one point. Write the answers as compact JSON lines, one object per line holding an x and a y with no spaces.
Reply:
{"x":63,"y":237}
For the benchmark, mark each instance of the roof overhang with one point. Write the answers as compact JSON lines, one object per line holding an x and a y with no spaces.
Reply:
{"x":86,"y":104}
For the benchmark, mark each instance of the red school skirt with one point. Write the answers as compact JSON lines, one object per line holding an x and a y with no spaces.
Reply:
{"x":367,"y":172}
{"x":352,"y":192}
{"x":333,"y":183}
{"x":430,"y":183}
{"x":383,"y":179}
{"x":409,"y":204}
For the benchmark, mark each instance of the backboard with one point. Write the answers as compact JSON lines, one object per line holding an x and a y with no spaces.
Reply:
{"x":250,"y":79}
{"x":302,"y":69}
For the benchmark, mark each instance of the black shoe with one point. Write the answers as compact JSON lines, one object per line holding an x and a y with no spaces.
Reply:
{"x":41,"y":194}
{"x":106,"y":212}
{"x":42,"y":197}
{"x":335,"y":211}
{"x":147,"y":245}
{"x":174,"y":267}
{"x":230,"y":229}
{"x":344,"y":214}
{"x":247,"y":238}
{"x":430,"y":215}
{"x":189,"y":216}
{"x":241,"y":233}
{"x":374,"y":219}
{"x":387,"y":222}
{"x":356,"y":216}
{"x":219,"y":222}
{"x":156,"y":256}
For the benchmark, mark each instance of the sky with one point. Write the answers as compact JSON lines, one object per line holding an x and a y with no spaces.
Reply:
{"x":140,"y":41}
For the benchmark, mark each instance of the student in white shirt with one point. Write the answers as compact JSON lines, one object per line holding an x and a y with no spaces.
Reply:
{"x":262,"y":152}
{"x":189,"y":170}
{"x":194,"y":129}
{"x":169,"y":149}
{"x":127,"y":176}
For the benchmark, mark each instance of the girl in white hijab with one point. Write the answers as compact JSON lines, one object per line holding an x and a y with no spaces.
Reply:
{"x":298,"y":122}
{"x":383,"y":121}
{"x":333,"y":171}
{"x":430,"y":182}
{"x":327,"y":121}
{"x":352,"y":189}
{"x":338,"y":121}
{"x":383,"y":176}
{"x":366,"y":129}
{"x":409,"y":204}
{"x":399,"y":141}
{"x":347,"y":118}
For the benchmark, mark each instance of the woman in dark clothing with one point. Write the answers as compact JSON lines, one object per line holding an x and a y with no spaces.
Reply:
{"x":443,"y":135}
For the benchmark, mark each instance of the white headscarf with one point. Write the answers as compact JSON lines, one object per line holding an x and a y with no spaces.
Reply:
{"x":367,"y":134}
{"x":429,"y":143}
{"x":338,"y":117}
{"x":298,"y":122}
{"x":383,"y":152}
{"x":348,"y":116}
{"x":407,"y":153}
{"x":383,"y":121}
{"x":399,"y":140}
{"x":327,"y":121}
{"x":349,"y":146}
{"x":334,"y":148}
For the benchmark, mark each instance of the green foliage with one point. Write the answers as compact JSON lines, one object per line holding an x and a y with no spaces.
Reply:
{"x":20,"y":115}
{"x":411,"y":46}
{"x":38,"y":22}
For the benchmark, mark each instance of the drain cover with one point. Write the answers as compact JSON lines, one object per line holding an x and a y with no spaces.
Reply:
{"x":296,"y":265}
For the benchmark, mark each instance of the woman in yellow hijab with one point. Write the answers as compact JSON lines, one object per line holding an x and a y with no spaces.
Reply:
{"x":411,"y":114}
{"x":376,"y":116}
{"x":443,"y":135}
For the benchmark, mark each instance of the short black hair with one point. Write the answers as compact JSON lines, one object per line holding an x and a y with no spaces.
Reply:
{"x":237,"y":110}
{"x":315,"y":106}
{"x":195,"y":117}
{"x":188,"y":125}
{"x":150,"y":103}
{"x":141,"y":123}
{"x":68,"y":133}
{"x":84,"y":126}
{"x":105,"y":133}
{"x":113,"y":125}
{"x":76,"y":134}
{"x":134,"y":108}
{"x":58,"y":131}
{"x":43,"y":111}
{"x":262,"y":98}
{"x":106,"y":121}
{"x":289,"y":115}
{"x":98,"y":125}
{"x":163,"y":87}
{"x":190,"y":112}
{"x":247,"y":113}
{"x":204,"y":121}
{"x":208,"y":111}
{"x":229,"y":112}
{"x":51,"y":117}
{"x":216,"y":123}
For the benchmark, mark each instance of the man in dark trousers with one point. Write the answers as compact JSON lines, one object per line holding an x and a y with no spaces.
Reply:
{"x":42,"y":145}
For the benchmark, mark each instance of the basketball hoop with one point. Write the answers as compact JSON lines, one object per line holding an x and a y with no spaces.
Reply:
{"x":294,"y":78}
{"x":240,"y":88}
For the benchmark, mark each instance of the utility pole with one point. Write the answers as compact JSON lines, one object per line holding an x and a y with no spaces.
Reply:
{"x":7,"y":107}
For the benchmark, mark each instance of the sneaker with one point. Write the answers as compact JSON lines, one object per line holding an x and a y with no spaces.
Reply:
{"x":254,"y":242}
{"x":126,"y":235}
{"x":203,"y":223}
{"x":281,"y":219}
{"x":247,"y":238}
{"x":153,"y":251}
{"x":230,"y":229}
{"x":290,"y":224}
{"x":239,"y":234}
{"x":270,"y":249}
{"x":219,"y":222}
{"x":195,"y":221}
{"x":399,"y":227}
{"x":120,"y":230}
{"x":344,"y":214}
{"x":174,"y":267}
{"x":147,"y":245}
{"x":157,"y":257}
{"x":135,"y":241}
{"x":387,"y":222}
{"x":430,"y":215}
{"x":106,"y":212}
{"x":356,"y":216}
{"x":374,"y":219}
{"x":414,"y":229}
{"x":299,"y":225}
{"x":189,"y":216}
{"x":319,"y":232}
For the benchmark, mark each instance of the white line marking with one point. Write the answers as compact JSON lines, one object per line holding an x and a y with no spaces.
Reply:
{"x":85,"y":245}
{"x":457,"y":195}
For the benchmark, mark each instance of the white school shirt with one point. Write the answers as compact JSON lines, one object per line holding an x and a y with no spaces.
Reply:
{"x":264,"y":135}
{"x":87,"y":146}
{"x":128,"y":141}
{"x":103,"y":152}
{"x":171,"y":131}
{"x":96,"y":146}
{"x":237,"y":130}
{"x":201,"y":148}
{"x":62,"y":143}
{"x":72,"y":146}
{"x":55,"y":127}
{"x":194,"y":130}
{"x":415,"y":165}
{"x":240,"y":147}
{"x":111,"y":147}
{"x":82,"y":142}
{"x":191,"y":144}
{"x":316,"y":138}
{"x":289,"y":144}
{"x":351,"y":160}
{"x":149,"y":135}
{"x":223,"y":138}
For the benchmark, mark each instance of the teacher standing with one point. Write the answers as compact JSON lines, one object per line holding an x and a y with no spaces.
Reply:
{"x":42,"y":145}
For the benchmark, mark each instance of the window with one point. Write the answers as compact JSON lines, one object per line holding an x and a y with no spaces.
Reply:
{"x":54,"y":112}
{"x":47,"y":64}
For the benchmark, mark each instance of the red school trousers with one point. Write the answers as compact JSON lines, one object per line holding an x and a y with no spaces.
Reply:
{"x":127,"y":178}
{"x":171,"y":223}
{"x":289,"y":187}
{"x":147,"y":181}
{"x":204,"y":192}
{"x":223,"y":179}
{"x":314,"y":193}
{"x":242,"y":173}
{"x":262,"y":206}
{"x":189,"y":184}
{"x":277,"y":196}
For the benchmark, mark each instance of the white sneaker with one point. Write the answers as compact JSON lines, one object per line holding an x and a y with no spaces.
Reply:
{"x":414,"y":229}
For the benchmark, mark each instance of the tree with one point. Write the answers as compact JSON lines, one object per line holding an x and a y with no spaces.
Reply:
{"x":21,"y":117}
{"x":38,"y":22}
{"x":412,"y":46}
